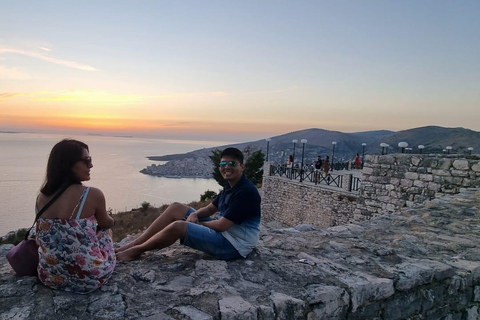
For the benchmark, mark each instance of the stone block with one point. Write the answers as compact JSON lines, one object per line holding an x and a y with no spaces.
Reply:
{"x":476,"y":167}
{"x":473,"y":267}
{"x":460,"y":173}
{"x":461,"y":164}
{"x":364,"y":288}
{"x":433,"y":186}
{"x":367,"y":170}
{"x":419,"y":184}
{"x":395,"y":181}
{"x":236,"y":307}
{"x":329,"y":302}
{"x":402,"y":306}
{"x":441,"y":172}
{"x":406,"y":183}
{"x":411,"y":175}
{"x":444,"y":163}
{"x":476,"y":294}
{"x":416,"y":161}
{"x":426,"y":177}
{"x":287,"y":307}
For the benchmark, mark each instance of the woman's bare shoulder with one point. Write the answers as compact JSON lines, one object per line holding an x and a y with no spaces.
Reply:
{"x":96,"y":193}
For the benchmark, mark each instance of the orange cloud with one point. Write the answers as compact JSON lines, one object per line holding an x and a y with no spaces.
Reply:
{"x":10,"y":95}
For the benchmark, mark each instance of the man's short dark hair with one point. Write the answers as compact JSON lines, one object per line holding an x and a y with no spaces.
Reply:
{"x":234,"y":153}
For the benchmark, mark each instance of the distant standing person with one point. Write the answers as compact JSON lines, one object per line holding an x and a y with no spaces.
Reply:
{"x":326,"y":165}
{"x":357,"y":161}
{"x":290,"y":161}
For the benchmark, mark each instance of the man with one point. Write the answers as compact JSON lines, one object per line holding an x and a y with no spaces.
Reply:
{"x":232,"y":235}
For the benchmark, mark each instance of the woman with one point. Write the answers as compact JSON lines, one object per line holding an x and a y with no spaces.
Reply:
{"x":326,"y":165}
{"x":75,"y":250}
{"x":357,"y":161}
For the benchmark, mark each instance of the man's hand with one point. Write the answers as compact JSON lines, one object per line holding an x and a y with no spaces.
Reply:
{"x":193,"y":217}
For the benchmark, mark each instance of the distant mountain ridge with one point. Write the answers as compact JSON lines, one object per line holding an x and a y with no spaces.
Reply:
{"x":319,"y":142}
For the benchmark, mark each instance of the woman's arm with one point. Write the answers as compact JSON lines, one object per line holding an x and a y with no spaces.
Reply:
{"x":103,"y":219}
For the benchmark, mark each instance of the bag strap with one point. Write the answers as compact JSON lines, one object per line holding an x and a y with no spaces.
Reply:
{"x":55,"y":197}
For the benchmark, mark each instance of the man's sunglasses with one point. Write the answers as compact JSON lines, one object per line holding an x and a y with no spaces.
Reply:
{"x":87,"y":161}
{"x":231,"y":164}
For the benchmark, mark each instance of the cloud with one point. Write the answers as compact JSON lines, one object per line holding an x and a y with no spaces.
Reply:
{"x":7,"y":95}
{"x":70,"y":64}
{"x":13,"y":74}
{"x":45,"y":49}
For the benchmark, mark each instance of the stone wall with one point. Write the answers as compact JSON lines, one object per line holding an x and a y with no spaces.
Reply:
{"x":291,"y":202}
{"x":390,"y":182}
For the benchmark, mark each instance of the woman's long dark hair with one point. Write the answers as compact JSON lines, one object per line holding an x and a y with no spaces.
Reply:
{"x":60,"y":162}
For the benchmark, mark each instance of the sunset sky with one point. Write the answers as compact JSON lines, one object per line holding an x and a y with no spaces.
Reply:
{"x":237,"y":70}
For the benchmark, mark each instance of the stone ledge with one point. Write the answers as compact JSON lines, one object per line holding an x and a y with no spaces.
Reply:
{"x":421,"y":263}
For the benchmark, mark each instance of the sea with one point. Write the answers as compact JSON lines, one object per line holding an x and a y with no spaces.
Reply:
{"x":116,"y":165}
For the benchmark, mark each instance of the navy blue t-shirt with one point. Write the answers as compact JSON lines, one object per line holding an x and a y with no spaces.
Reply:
{"x":240,"y":203}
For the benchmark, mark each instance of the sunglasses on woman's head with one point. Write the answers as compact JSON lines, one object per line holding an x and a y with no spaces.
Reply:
{"x":231,"y":164}
{"x":87,"y":161}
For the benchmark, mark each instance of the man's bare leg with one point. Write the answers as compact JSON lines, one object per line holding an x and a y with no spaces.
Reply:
{"x":175,"y":212}
{"x":162,"y":239}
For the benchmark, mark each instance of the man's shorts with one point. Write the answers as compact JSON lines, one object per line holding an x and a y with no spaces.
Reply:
{"x":208,"y":240}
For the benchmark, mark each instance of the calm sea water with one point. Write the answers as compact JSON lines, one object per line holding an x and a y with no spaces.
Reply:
{"x":116,"y":165}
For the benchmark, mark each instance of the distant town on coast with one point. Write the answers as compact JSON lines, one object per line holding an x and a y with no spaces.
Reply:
{"x":339,"y":146}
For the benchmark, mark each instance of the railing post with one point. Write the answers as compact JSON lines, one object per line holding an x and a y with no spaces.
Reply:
{"x":350,"y":176}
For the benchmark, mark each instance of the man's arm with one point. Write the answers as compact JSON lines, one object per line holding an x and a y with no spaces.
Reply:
{"x":220,"y":225}
{"x":202,"y":213}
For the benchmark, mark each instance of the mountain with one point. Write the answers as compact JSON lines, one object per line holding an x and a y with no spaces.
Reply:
{"x":319,"y":142}
{"x":434,"y":138}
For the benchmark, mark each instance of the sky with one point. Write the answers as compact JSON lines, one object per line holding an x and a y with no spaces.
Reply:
{"x":237,"y":70}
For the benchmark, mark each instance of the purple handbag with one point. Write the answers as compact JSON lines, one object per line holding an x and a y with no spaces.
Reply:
{"x":24,"y":256}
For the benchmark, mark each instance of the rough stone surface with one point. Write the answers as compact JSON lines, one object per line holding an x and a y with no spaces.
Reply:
{"x":422,"y":263}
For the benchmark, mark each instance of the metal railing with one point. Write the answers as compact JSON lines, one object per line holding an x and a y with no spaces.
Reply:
{"x":307,"y":174}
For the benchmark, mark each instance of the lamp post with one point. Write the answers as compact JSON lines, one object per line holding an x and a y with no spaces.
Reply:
{"x":364,"y":145}
{"x":421,"y":147}
{"x":470,"y":149}
{"x":268,"y":145}
{"x":334,"y":143}
{"x":449,"y":149}
{"x":403,"y":145}
{"x":293,"y":156}
{"x":384,"y":147}
{"x":303,"y":141}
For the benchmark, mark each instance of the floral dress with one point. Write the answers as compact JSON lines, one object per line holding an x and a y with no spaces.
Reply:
{"x":73,"y":256}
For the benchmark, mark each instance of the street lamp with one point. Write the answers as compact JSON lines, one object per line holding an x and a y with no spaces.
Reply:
{"x":384,"y":147}
{"x":364,"y":145}
{"x":293,"y":156}
{"x":403,"y":145}
{"x":268,"y":145}
{"x":449,"y":149}
{"x":470,"y":149}
{"x":334,"y":143}
{"x":421,"y":147}
{"x":303,"y":141}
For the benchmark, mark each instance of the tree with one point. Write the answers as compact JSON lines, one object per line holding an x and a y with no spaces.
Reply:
{"x":215,"y":157}
{"x":208,"y":195}
{"x":254,"y":167}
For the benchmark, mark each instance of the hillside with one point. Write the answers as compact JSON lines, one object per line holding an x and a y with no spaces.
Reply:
{"x":435,"y":139}
{"x":319,"y":141}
